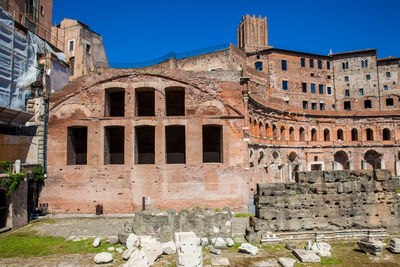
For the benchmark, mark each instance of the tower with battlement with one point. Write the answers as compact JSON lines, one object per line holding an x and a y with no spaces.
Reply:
{"x":252,"y":33}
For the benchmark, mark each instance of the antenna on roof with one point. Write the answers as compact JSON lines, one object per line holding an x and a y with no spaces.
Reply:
{"x":330,"y":52}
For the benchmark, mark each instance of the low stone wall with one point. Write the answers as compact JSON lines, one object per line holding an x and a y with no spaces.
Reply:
{"x":163,"y":224}
{"x":327,"y":200}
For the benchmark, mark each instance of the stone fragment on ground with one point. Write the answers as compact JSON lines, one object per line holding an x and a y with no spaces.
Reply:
{"x":394,"y":245}
{"x":138,"y":259}
{"x":132,"y":241}
{"x":189,"y":252}
{"x":309,"y":245}
{"x":120,"y":250}
{"x":267,"y":263}
{"x":112,"y":240}
{"x":204,"y":241}
{"x":111,"y":249}
{"x":151,"y":248}
{"x":248,"y":248}
{"x":220,"y":243}
{"x":103,"y":257}
{"x":286,"y":262}
{"x":370,"y":246}
{"x":322,"y":249}
{"x":122,"y":237}
{"x":214,"y":250}
{"x":76,"y":239}
{"x":127,"y":253}
{"x":96,"y":242}
{"x":306,"y":255}
{"x":220,"y":262}
{"x":229,"y":242}
{"x":290,"y":245}
{"x":169,"y":248}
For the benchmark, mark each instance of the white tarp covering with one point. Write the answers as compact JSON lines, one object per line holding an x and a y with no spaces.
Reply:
{"x":18,"y":62}
{"x":59,"y":76}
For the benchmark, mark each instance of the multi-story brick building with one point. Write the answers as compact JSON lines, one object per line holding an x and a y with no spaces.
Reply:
{"x":240,"y":116}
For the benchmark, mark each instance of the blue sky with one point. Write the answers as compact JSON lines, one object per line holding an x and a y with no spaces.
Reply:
{"x":134,"y":31}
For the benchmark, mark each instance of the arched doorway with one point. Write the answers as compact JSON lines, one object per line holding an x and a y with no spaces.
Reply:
{"x":341,"y":161}
{"x":3,"y":209}
{"x":373,"y":160}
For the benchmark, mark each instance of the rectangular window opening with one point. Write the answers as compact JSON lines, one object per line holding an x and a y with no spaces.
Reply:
{"x":329,"y":90}
{"x":284,"y":85}
{"x":145,"y":104}
{"x":284,"y":64}
{"x":319,"y":64}
{"x":311,"y":63}
{"x":212,"y":143}
{"x":77,"y":146}
{"x":144,"y":144}
{"x":175,"y":101}
{"x":312,"y":88}
{"x":114,"y":102}
{"x":321,"y":89}
{"x":303,"y":62}
{"x":114,"y":144}
{"x":304,"y":87}
{"x":175,"y":142}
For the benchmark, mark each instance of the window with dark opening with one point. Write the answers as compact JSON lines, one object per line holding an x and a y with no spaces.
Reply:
{"x":389,"y":102}
{"x":284,"y":64}
{"x":291,"y":134}
{"x":326,"y":135}
{"x":319,"y":64}
{"x":313,"y":135}
{"x":88,"y":49}
{"x":258,"y":66}
{"x":347,"y":105}
{"x":77,"y":145}
{"x":304,"y":87}
{"x":175,"y":144}
{"x":354,"y":135}
{"x":144,"y":145}
{"x":367,"y":104}
{"x":386,"y":134}
{"x":370,"y":134}
{"x":303,"y":62}
{"x":388,"y":74}
{"x":301,"y":134}
{"x":284,"y":85}
{"x":311,"y":63}
{"x":114,"y":102}
{"x":71,"y":66}
{"x":144,"y":101}
{"x":114,"y":138}
{"x":175,"y":101}
{"x":340,"y":135}
{"x":212,"y":143}
{"x":328,"y":65}
{"x":305,"y":104}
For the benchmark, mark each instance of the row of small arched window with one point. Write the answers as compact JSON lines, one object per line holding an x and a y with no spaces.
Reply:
{"x":386,"y":135}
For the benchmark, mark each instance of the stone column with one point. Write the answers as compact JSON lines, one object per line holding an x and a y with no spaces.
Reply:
{"x":363,"y":164}
{"x":382,"y":164}
{"x":351,"y":167}
{"x":335,"y":165}
{"x":397,"y":167}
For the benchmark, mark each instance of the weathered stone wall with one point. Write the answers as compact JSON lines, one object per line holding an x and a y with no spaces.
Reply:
{"x":163,"y":224}
{"x":328,"y":200}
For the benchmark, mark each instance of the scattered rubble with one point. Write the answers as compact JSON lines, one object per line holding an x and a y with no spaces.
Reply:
{"x":120,"y":250}
{"x":322,"y":249}
{"x":214,"y":250}
{"x":394,"y":245}
{"x":290,"y":245}
{"x":103,"y":257}
{"x":189,"y":251}
{"x":137,"y":259}
{"x":96,"y":242}
{"x":169,"y":248}
{"x":248,"y":248}
{"x":220,"y":243}
{"x":370,"y":246}
{"x":151,"y":248}
{"x":229,"y":242}
{"x":127,"y":253}
{"x":220,"y":262}
{"x":286,"y":262}
{"x":132,"y":241}
{"x":306,"y":255}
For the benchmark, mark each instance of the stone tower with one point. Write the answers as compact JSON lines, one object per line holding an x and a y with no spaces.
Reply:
{"x":252,"y":33}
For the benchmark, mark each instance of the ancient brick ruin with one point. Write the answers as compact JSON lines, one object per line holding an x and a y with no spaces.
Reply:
{"x":328,"y":200}
{"x":206,"y":129}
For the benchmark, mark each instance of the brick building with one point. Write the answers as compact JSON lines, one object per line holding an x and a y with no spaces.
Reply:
{"x":204,"y":130}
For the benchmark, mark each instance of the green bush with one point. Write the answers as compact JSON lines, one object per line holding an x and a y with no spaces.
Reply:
{"x":38,"y":173}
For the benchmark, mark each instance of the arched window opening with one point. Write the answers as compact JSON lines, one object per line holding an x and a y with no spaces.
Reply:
{"x":301,"y":134}
{"x":340,"y":135}
{"x":291,"y":134}
{"x":341,"y":161}
{"x":292,"y":156}
{"x":354,"y":135}
{"x":326,"y":135}
{"x":260,"y":129}
{"x":370,"y":134}
{"x":274,"y":132}
{"x":258,"y":66}
{"x":373,"y":159}
{"x":386,"y":134}
{"x":347,"y":105}
{"x":283,"y":137}
{"x":313,"y":135}
{"x":367,"y":104}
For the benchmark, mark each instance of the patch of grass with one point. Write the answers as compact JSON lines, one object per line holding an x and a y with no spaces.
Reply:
{"x":397,"y":191}
{"x":343,"y":245}
{"x":25,"y":244}
{"x":243,"y":215}
{"x":327,"y":261}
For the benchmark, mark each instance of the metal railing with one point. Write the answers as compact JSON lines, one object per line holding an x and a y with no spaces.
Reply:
{"x":159,"y":60}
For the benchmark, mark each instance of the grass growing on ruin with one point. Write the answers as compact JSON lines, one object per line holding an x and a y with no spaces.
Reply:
{"x":25,"y":244}
{"x":243,"y":215}
{"x":273,"y":247}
